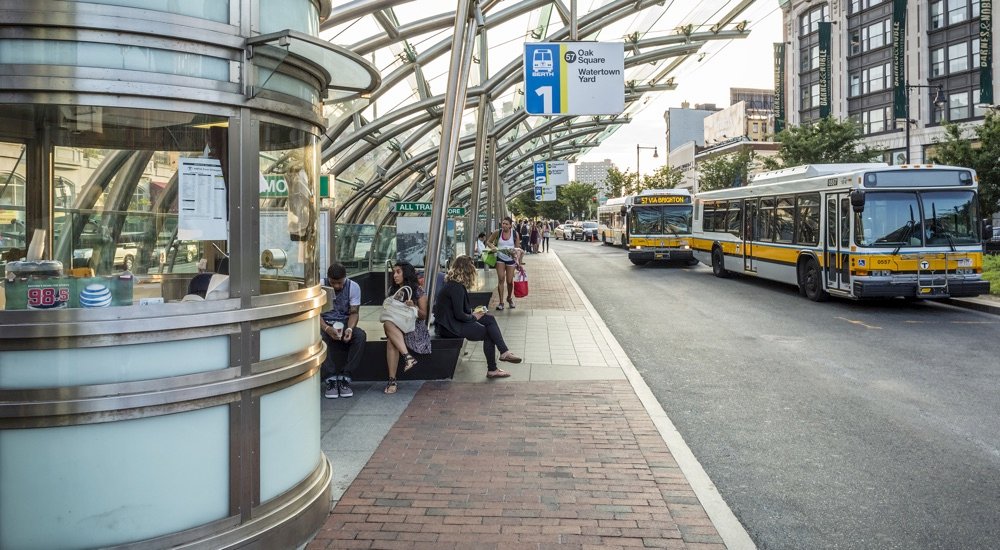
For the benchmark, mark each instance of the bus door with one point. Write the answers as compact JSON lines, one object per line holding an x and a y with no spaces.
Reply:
{"x":838,"y":241}
{"x":749,"y":222}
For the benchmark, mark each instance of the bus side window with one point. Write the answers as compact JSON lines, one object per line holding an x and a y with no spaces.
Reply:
{"x":765,"y":220}
{"x":784,"y":215}
{"x":734,"y":219}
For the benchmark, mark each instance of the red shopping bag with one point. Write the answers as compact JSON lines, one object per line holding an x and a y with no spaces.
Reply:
{"x":520,"y":283}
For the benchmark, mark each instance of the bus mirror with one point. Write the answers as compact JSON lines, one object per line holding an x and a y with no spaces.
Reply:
{"x":624,"y":210}
{"x":858,"y":200}
{"x":987,"y":230}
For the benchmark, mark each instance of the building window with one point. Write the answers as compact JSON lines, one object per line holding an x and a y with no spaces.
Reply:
{"x":975,"y":9}
{"x":958,"y":57}
{"x":937,"y":62}
{"x":855,"y":85}
{"x":937,"y":14}
{"x":958,"y":11}
{"x":810,"y":59}
{"x":974,"y":46}
{"x":875,"y":36}
{"x":978,"y":109}
{"x":875,"y":121}
{"x":855,"y":42}
{"x":858,"y":5}
{"x":958,"y":105}
{"x":877,"y":78}
{"x":809,"y":22}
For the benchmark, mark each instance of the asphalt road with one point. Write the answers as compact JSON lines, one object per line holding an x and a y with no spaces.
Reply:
{"x":824,"y":425}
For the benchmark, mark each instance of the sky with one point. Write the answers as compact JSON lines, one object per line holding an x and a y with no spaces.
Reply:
{"x":746,"y":63}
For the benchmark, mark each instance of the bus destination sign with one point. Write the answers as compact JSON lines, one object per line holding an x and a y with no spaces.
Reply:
{"x":662,"y":199}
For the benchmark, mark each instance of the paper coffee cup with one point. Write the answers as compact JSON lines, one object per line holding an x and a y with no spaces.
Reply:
{"x":338,"y":327}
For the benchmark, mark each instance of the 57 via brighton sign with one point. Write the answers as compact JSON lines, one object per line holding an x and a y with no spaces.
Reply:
{"x":574,"y":78}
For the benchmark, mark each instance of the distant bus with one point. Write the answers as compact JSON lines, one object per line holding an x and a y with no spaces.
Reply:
{"x":850,"y":230}
{"x":653,"y":225}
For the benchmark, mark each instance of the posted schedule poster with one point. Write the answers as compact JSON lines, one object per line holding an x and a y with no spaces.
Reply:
{"x":201,"y":200}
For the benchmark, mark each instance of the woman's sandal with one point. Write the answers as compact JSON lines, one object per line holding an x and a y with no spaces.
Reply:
{"x":391,"y":386}
{"x":409,"y":362}
{"x":510,"y":357}
{"x":499,"y":373}
{"x":499,"y":307}
{"x":510,"y":304}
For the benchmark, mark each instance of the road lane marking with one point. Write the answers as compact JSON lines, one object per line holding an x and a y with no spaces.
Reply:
{"x":859,"y":323}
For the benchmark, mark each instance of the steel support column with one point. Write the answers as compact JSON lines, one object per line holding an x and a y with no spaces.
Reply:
{"x":482,"y":119}
{"x":458,"y":83}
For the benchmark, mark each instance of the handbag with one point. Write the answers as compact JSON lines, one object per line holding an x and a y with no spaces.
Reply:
{"x":520,"y":283}
{"x":490,"y":258}
{"x":398,"y":313}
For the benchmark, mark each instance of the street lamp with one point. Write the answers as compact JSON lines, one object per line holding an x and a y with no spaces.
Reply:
{"x":637,"y":148}
{"x":939,"y":103}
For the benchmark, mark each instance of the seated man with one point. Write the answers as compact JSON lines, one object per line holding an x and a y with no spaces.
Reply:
{"x":343,"y":314}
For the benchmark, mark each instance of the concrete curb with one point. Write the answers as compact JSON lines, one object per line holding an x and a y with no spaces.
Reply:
{"x":725,"y":522}
{"x":985,"y":306}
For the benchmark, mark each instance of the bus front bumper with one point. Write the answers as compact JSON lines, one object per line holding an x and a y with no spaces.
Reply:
{"x":887,"y":289}
{"x":648,"y":255}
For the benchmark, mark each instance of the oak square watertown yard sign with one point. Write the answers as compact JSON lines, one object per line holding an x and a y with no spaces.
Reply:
{"x":574,"y":78}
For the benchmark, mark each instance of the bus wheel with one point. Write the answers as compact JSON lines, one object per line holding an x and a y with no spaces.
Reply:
{"x":638,"y":262}
{"x":811,"y":282}
{"x":718,"y":263}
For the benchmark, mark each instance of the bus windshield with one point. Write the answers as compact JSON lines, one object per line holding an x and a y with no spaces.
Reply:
{"x":930,"y":218}
{"x":660,"y":220}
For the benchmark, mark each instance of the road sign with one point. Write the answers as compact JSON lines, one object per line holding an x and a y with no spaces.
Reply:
{"x":424,"y":208}
{"x":548,"y":175}
{"x":574,"y":78}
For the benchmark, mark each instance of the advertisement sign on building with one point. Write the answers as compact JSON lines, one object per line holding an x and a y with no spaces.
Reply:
{"x":574,"y":78}
{"x":899,"y":106}
{"x":825,"y":29}
{"x":986,"y":52}
{"x":779,"y":86}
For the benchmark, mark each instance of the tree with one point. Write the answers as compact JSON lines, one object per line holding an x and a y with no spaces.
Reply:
{"x":619,"y":183}
{"x":665,"y":177}
{"x":524,"y":205}
{"x":729,"y":170}
{"x":826,"y":141}
{"x":577,"y":197}
{"x":984,"y":157}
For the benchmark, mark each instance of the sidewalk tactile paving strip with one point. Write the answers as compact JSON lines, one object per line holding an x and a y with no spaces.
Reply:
{"x":521,"y":465}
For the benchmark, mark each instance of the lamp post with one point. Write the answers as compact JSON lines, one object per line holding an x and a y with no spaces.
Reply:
{"x":939,"y":103}
{"x":637,"y":172}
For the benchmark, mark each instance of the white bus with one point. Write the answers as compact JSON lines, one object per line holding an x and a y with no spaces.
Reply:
{"x":654,"y":225}
{"x":850,"y":230}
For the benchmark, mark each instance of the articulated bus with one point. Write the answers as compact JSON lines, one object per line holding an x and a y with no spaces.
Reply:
{"x":851,"y":230}
{"x":655,"y":225}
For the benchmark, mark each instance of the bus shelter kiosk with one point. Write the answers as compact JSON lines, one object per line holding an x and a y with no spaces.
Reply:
{"x":159,"y":384}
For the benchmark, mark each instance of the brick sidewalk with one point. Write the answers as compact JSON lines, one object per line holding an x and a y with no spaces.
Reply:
{"x":519,"y":465}
{"x":573,"y":463}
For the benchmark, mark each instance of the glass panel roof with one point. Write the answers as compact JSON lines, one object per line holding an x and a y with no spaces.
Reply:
{"x":409,"y":44}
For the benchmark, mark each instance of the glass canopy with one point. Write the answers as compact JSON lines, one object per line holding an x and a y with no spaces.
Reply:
{"x":384,"y":147}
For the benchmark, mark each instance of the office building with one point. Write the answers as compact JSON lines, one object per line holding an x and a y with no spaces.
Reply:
{"x":864,"y":76}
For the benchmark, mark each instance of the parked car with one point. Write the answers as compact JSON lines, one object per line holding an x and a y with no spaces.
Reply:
{"x":585,"y":231}
{"x":125,"y":255}
{"x":563,"y":231}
